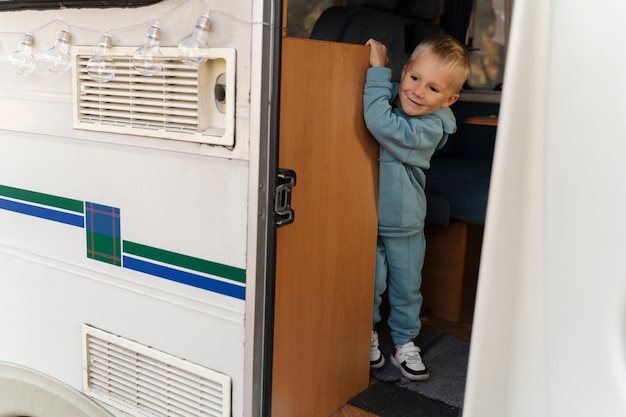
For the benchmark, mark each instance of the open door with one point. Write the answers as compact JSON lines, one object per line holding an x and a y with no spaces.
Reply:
{"x":325,"y":260}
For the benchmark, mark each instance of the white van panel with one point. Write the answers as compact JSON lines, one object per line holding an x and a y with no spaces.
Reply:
{"x":174,"y":274}
{"x":30,"y":97}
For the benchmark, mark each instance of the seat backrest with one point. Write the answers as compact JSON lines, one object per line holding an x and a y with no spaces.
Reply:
{"x":399,"y":24}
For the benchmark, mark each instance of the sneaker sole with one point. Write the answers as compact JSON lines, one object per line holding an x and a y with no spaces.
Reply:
{"x":407,"y":373}
{"x":378,"y":364}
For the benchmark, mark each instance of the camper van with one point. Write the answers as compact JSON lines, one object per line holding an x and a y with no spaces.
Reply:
{"x":188,"y":206}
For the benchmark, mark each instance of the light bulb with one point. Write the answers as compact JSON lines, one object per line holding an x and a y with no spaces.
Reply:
{"x":101,"y":67}
{"x":147,"y":60}
{"x":192,"y":48}
{"x":22,"y":60}
{"x":58,"y":57}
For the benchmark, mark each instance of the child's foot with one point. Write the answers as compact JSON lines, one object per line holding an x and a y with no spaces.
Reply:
{"x":377,"y":360}
{"x":407,"y":358}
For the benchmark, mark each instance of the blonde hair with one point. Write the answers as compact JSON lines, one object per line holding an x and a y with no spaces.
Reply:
{"x":449,"y":52}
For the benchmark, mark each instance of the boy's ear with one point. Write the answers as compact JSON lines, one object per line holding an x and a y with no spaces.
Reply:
{"x":451,"y":100}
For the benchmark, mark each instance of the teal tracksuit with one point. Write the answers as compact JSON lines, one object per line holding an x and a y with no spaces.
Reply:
{"x":406,"y":145}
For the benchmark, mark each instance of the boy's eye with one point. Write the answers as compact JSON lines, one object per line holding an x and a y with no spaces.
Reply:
{"x":434,"y":89}
{"x":414,"y":78}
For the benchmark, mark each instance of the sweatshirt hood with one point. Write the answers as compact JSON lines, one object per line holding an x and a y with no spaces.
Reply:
{"x":448,"y":119}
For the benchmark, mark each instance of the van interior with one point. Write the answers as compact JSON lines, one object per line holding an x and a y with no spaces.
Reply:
{"x":458,"y":180}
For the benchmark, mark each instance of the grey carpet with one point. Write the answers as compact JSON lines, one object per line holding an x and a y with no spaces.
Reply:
{"x":446,"y":358}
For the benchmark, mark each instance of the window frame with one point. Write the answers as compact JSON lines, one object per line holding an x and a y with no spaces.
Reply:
{"x":14,"y":5}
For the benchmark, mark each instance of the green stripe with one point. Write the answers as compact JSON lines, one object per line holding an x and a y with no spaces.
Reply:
{"x":184,"y":261}
{"x":44,"y":199}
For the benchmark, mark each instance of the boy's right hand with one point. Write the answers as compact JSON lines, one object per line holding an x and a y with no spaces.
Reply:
{"x":378,"y":53}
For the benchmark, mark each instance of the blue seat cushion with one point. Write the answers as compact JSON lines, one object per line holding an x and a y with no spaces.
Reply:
{"x":463,"y":183}
{"x":437,"y":210}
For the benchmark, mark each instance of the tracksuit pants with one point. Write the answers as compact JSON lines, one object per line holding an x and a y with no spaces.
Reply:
{"x":399,"y":262}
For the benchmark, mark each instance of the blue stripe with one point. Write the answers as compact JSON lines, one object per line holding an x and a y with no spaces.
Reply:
{"x":184,"y":277}
{"x":42,"y":212}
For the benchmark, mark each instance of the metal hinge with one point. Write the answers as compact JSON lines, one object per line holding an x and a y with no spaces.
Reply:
{"x":283,"y":213}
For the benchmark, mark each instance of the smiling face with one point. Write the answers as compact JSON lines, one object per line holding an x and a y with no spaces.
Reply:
{"x":425,"y":86}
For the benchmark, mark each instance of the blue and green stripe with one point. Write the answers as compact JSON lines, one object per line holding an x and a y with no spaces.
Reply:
{"x":44,"y":206}
{"x":104,"y":242}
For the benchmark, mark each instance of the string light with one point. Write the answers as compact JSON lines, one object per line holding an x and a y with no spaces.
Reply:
{"x":192,"y":49}
{"x":147,"y":60}
{"x":58,"y":58}
{"x":22,"y":60}
{"x":101,"y":67}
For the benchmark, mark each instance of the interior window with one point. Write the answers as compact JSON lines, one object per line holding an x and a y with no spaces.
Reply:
{"x":302,"y":15}
{"x":487,"y":40}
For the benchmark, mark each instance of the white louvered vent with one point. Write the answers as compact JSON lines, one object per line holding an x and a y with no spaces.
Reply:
{"x":143,"y":381}
{"x":180,"y":103}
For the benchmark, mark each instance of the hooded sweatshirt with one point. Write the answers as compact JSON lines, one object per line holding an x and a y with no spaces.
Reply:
{"x":406,"y":145}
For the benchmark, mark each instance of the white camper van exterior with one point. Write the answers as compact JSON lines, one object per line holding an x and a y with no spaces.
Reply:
{"x":78,"y":194}
{"x":134,"y":258}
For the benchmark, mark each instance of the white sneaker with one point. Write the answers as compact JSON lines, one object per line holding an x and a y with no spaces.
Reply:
{"x":377,"y":360}
{"x":407,"y":358}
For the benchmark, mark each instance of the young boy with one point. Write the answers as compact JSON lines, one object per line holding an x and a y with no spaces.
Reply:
{"x":410,"y":120}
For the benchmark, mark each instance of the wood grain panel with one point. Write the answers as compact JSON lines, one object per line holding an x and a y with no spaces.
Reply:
{"x":326,"y":258}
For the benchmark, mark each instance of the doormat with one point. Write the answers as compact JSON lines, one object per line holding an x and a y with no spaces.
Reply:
{"x":386,"y":399}
{"x":446,"y":358}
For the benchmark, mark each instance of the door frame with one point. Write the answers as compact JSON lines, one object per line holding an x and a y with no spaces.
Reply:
{"x":259,"y":371}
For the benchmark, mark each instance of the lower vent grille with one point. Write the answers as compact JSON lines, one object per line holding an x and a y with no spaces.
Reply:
{"x":143,"y":381}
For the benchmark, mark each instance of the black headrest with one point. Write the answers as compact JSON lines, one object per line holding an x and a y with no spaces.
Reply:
{"x":419,"y":9}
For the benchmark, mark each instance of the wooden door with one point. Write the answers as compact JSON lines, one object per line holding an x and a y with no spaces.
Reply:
{"x":326,"y":258}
